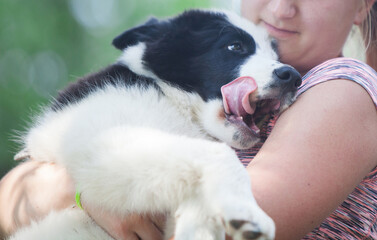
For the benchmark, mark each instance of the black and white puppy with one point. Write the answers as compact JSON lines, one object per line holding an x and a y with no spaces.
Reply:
{"x":153,"y":132}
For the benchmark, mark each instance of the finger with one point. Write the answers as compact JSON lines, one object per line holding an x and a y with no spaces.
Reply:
{"x":159,"y":219}
{"x":148,"y":230}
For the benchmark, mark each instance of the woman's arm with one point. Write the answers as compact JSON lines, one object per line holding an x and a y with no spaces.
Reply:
{"x":318,"y":152}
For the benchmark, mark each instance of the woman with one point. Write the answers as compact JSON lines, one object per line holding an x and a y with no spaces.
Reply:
{"x":321,"y":155}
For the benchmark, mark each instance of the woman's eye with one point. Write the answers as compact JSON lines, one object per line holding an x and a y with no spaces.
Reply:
{"x":235,"y":47}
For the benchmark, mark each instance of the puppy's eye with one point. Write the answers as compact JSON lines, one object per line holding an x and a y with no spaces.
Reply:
{"x":235,"y":47}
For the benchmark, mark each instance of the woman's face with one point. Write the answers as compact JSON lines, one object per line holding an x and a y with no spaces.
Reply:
{"x":308,"y":31}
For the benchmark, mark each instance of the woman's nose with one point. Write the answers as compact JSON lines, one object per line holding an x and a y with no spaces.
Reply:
{"x":282,"y":8}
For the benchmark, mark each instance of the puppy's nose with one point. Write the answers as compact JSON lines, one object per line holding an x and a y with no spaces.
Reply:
{"x":288,"y":75}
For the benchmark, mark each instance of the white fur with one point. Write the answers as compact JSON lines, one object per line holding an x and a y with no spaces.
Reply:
{"x":72,"y":224}
{"x":133,"y":58}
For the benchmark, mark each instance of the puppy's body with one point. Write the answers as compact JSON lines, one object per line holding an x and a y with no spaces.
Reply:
{"x":144,"y":135}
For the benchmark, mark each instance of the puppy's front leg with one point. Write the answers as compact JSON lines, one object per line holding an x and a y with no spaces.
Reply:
{"x":145,"y":170}
{"x":225,"y":201}
{"x":131,"y":169}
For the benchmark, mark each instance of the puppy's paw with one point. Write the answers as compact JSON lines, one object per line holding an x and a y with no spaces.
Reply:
{"x":245,"y":230}
{"x":251,"y":224}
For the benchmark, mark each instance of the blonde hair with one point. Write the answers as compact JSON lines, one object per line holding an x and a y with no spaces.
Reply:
{"x":369,"y":33}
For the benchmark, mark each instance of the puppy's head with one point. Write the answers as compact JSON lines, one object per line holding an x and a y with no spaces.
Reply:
{"x":203,"y":51}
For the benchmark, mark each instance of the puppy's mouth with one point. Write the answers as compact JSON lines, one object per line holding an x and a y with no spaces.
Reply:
{"x":243,"y":109}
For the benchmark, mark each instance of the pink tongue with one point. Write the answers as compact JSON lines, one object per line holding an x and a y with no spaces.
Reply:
{"x":236,"y":96}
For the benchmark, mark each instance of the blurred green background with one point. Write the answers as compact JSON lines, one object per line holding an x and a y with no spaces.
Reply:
{"x":44,"y":44}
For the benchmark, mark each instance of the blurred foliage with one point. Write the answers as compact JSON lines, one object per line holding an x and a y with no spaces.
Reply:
{"x":45,"y":44}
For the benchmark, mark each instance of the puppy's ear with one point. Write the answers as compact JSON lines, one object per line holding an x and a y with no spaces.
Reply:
{"x":142,"y":33}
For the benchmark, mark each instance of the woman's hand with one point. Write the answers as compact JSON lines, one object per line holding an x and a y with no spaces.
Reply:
{"x":132,"y":227}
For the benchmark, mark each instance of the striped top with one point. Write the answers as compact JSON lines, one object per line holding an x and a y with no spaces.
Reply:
{"x":356,"y":217}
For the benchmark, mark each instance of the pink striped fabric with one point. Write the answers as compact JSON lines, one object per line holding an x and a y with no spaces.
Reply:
{"x":356,"y":217}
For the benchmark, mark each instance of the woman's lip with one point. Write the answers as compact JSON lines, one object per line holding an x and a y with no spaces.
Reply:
{"x":278,"y":32}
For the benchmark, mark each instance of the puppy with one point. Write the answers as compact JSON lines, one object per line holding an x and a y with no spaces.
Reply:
{"x":154,"y":132}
